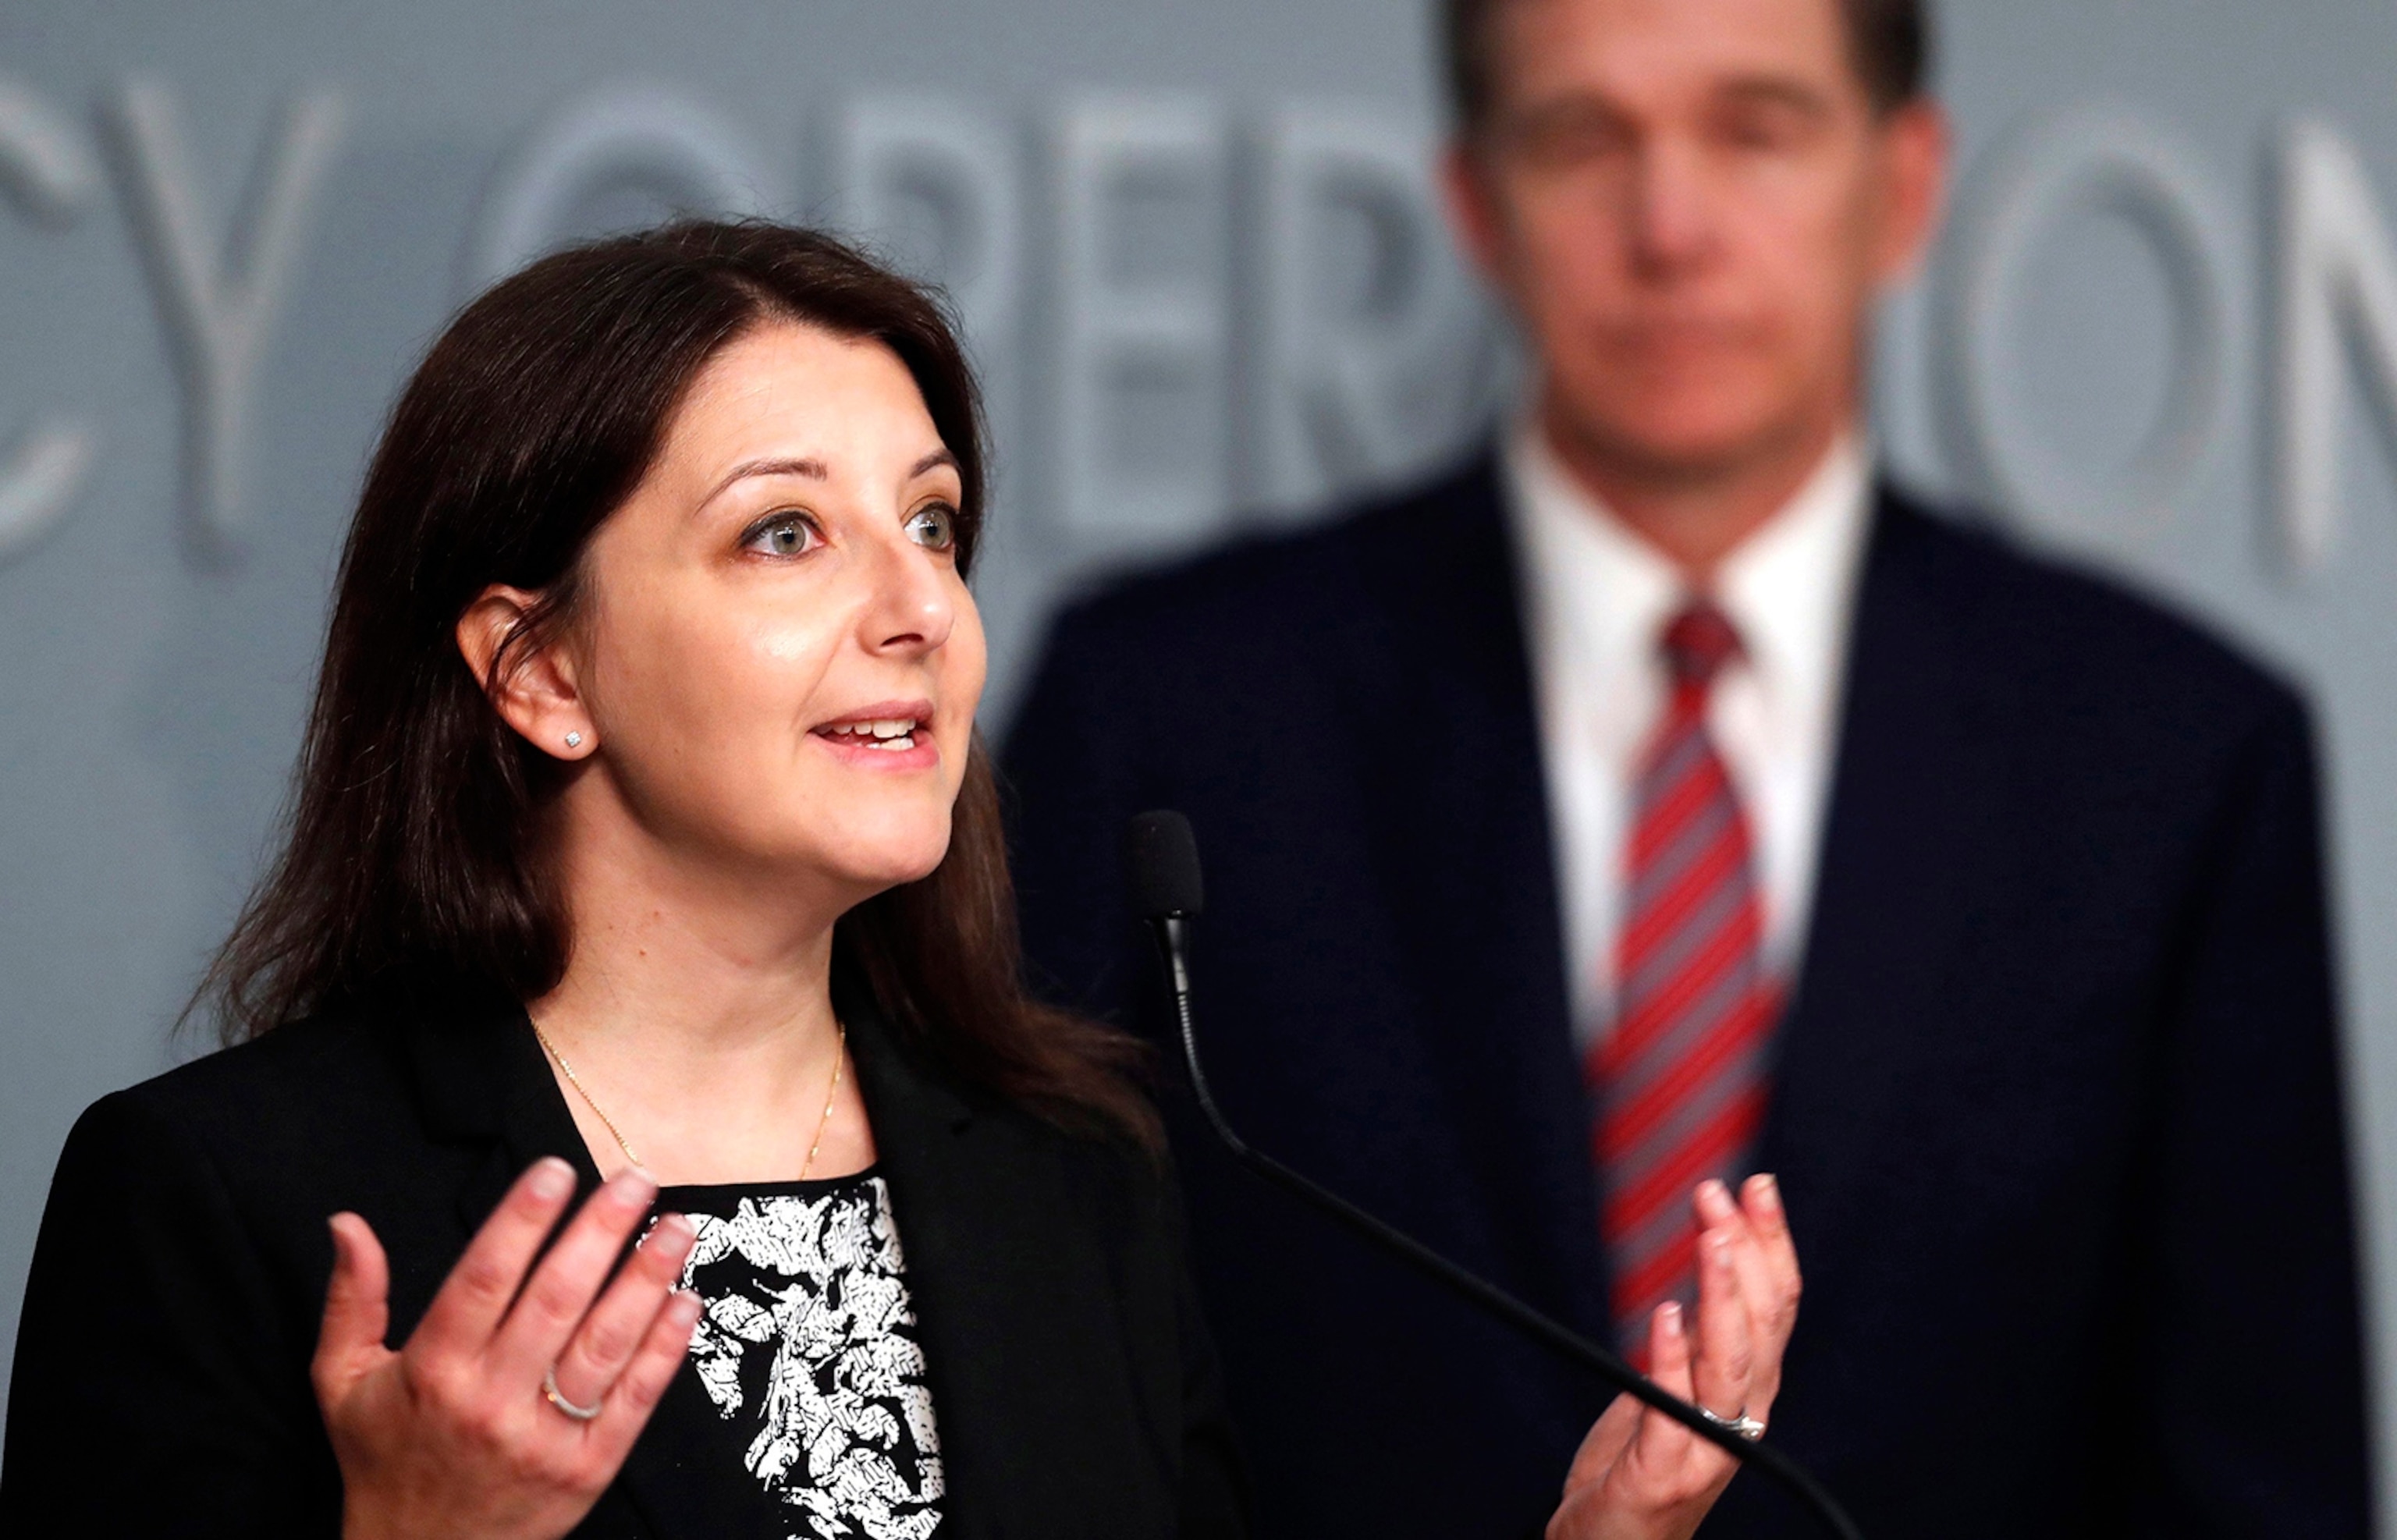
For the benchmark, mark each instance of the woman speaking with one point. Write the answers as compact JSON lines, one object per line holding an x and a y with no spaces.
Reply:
{"x":645,"y":887}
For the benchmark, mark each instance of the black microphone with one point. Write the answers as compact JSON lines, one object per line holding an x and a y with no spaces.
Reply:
{"x":1161,"y":870}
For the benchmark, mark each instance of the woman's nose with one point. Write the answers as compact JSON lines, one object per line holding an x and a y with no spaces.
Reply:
{"x":912,"y":609}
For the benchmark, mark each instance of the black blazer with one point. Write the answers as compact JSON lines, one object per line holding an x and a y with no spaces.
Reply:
{"x":161,"y":1382}
{"x":2056,"y":1105}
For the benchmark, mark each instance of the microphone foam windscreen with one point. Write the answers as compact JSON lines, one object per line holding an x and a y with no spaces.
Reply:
{"x":1161,"y":865}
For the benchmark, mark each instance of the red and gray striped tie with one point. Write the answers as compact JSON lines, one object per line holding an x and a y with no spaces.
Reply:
{"x":1679,"y":1083}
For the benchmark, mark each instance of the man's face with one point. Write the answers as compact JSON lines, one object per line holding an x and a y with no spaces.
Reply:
{"x":1691,"y":205}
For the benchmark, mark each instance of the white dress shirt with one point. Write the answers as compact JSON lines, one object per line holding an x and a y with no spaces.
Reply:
{"x":1596,"y":599}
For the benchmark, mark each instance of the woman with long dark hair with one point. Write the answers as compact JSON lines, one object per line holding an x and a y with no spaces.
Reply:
{"x":642,"y":848}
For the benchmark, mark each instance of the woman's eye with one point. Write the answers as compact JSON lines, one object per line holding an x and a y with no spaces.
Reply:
{"x":783,"y":535}
{"x":935,"y":528}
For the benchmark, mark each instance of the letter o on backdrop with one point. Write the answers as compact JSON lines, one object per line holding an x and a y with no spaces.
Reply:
{"x":2103,"y":162}
{"x":613,"y":135}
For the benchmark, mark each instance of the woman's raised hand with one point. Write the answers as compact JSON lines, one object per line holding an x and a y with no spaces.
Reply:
{"x":1641,"y":1475}
{"x":456,"y":1434}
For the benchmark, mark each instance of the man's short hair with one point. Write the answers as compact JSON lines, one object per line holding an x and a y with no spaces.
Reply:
{"x":1889,"y":41}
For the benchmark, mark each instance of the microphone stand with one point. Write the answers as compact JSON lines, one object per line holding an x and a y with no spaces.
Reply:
{"x":1172,"y":933}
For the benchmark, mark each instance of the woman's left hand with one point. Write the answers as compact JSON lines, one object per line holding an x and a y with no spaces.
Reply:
{"x":1641,"y":1475}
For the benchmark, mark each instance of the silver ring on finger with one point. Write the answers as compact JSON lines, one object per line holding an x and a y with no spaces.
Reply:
{"x":1738,"y":1422}
{"x":549,"y":1393}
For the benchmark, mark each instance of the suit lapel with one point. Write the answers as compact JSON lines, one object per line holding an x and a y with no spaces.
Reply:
{"x":1012,"y":1298}
{"x":1910,"y":811}
{"x":1454,"y":764}
{"x":482,"y":1079}
{"x":485,"y":1079}
{"x":1470,"y":876}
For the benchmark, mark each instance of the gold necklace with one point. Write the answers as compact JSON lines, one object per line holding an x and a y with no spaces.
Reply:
{"x":832,"y":1094}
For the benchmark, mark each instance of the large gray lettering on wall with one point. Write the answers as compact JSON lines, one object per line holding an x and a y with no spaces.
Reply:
{"x":2101,"y":163}
{"x":935,"y":187}
{"x":1341,"y":362}
{"x":2333,"y":280}
{"x":612,"y":136}
{"x":48,"y":176}
{"x":218,"y":294}
{"x":1143,"y":323}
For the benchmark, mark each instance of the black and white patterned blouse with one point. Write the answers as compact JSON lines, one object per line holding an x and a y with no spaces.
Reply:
{"x":808,"y":1354}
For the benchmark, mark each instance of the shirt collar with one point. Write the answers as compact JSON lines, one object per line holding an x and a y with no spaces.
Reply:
{"x":1597,"y":594}
{"x":1788,"y":585}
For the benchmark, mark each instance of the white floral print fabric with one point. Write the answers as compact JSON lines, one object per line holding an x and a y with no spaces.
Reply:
{"x":809,"y":1344}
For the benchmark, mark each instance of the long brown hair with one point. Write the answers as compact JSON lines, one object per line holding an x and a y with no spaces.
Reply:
{"x":413,"y":871}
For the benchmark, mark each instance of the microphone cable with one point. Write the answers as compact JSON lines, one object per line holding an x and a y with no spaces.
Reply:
{"x":1162,"y":869}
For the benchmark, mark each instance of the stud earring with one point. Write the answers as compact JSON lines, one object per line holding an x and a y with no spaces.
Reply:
{"x":574,"y":739}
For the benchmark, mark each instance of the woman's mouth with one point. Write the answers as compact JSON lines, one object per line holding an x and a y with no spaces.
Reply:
{"x":883,"y":734}
{"x":886,"y":735}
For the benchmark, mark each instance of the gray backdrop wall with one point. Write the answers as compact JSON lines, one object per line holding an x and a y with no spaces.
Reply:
{"x":1196,"y":252}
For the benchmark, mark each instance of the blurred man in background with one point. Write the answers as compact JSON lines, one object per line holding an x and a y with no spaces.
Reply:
{"x":1660,"y":795}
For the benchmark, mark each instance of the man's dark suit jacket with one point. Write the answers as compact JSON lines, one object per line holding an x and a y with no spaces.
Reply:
{"x":161,"y":1382}
{"x":2056,"y":1105}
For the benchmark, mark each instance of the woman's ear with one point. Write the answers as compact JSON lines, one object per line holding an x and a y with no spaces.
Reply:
{"x":537,"y":694}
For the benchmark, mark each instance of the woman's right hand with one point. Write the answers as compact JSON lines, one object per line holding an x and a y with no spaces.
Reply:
{"x":454,"y":1434}
{"x":1641,"y":1475}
